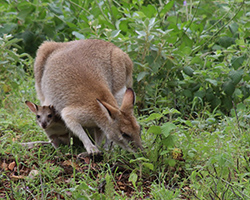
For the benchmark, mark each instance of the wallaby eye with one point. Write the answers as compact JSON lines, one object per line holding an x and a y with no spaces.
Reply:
{"x":38,"y":116}
{"x":126,"y":136}
{"x":50,"y":116}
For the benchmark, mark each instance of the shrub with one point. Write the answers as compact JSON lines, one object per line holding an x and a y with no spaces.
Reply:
{"x":186,"y":55}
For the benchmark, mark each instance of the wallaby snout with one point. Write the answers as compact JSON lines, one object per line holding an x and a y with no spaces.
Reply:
{"x":44,"y":125}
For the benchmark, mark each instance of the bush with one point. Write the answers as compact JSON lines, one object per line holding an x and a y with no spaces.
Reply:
{"x":185,"y":56}
{"x":12,"y":64}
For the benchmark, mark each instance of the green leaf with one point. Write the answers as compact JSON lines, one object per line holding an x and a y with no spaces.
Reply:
{"x":133,"y":178}
{"x":200,"y":93}
{"x":25,"y":10}
{"x":55,"y":9}
{"x":227,"y":102}
{"x":139,"y":159}
{"x":154,"y":116}
{"x":78,"y":35}
{"x":196,"y":87}
{"x":164,"y":152}
{"x":188,"y":71}
{"x":149,"y":10}
{"x":115,"y":33}
{"x":211,"y":120}
{"x":167,"y":128}
{"x":188,"y":123}
{"x":233,"y":28}
{"x":141,"y":75}
{"x":229,"y":88}
{"x":226,"y":41}
{"x":186,"y":41}
{"x":148,"y":165}
{"x":12,"y":55}
{"x":154,"y":129}
{"x":237,"y":61}
{"x":8,"y":28}
{"x":209,"y":94}
{"x":212,"y":81}
{"x":236,"y":76}
{"x":166,"y":8}
{"x":187,"y":93}
{"x":169,"y":141}
{"x":170,"y":111}
{"x":215,"y":102}
{"x":141,"y":33}
{"x":171,"y":162}
{"x":152,"y":23}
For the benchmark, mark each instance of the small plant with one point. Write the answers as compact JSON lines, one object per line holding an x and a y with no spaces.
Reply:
{"x":12,"y":64}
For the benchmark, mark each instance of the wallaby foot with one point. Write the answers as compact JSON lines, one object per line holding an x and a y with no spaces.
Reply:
{"x":95,"y":156}
{"x":108,"y":146}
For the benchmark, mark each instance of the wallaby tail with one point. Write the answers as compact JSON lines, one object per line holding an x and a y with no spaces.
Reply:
{"x":44,"y":51}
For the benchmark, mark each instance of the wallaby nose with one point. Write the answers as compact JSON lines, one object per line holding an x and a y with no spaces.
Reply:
{"x":137,"y":146}
{"x":44,"y":125}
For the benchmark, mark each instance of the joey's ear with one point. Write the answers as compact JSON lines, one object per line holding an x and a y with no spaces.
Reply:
{"x":52,"y":108}
{"x":33,"y":107}
{"x":109,"y":111}
{"x":128,"y":100}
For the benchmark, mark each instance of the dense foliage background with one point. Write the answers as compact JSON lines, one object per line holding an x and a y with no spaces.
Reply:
{"x":191,"y":77}
{"x":185,"y":56}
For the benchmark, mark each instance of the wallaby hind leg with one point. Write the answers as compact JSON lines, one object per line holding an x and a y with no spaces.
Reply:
{"x":70,"y":117}
{"x":108,"y":145}
{"x":58,"y":140}
{"x":99,"y":136}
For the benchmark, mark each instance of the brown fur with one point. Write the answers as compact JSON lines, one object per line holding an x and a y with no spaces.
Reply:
{"x":85,"y":80}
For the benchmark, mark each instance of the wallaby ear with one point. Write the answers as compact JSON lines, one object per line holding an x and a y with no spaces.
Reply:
{"x":33,"y":107}
{"x":108,"y":110}
{"x":128,"y":100}
{"x":51,"y":107}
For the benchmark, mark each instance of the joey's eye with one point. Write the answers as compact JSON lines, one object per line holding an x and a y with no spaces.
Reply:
{"x":38,"y":116}
{"x":126,"y":136}
{"x":50,"y":116}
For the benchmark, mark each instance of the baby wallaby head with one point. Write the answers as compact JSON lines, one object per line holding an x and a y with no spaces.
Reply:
{"x":45,"y":115}
{"x":123,"y":128}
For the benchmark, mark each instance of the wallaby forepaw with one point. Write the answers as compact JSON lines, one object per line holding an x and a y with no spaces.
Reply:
{"x":96,"y":156}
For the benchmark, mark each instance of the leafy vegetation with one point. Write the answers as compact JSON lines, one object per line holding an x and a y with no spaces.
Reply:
{"x":191,"y":76}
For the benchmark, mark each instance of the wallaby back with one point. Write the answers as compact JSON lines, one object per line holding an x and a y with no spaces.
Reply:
{"x":86,"y":81}
{"x":119,"y":76}
{"x":45,"y":50}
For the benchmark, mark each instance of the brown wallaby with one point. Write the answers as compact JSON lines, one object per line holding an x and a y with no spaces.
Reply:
{"x":51,"y":122}
{"x":86,"y":81}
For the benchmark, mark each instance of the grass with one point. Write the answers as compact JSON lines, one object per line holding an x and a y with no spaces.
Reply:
{"x":214,"y":164}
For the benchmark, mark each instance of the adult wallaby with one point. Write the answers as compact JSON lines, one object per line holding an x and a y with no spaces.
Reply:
{"x":86,"y":82}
